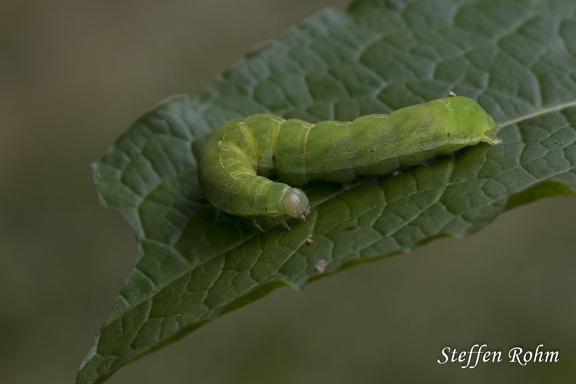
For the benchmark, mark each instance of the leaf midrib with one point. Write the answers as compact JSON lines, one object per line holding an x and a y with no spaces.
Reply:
{"x":538,"y":113}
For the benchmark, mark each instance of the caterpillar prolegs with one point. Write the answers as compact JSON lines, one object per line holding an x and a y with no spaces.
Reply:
{"x":241,"y":154}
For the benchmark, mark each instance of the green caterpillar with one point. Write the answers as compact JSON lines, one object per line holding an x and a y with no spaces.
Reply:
{"x":241,"y":154}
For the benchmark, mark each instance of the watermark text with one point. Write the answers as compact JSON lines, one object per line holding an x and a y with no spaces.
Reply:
{"x":481,"y":353}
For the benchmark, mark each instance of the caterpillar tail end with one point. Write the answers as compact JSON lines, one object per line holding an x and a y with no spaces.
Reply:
{"x":491,"y":138}
{"x":295,"y":203}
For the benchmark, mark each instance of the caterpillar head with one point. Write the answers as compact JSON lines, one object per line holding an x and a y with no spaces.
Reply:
{"x":296,"y":203}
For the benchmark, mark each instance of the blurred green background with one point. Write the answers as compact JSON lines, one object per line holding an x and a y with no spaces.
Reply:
{"x":73,"y":77}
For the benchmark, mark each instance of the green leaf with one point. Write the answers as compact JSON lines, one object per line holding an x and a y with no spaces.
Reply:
{"x":516,"y":58}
